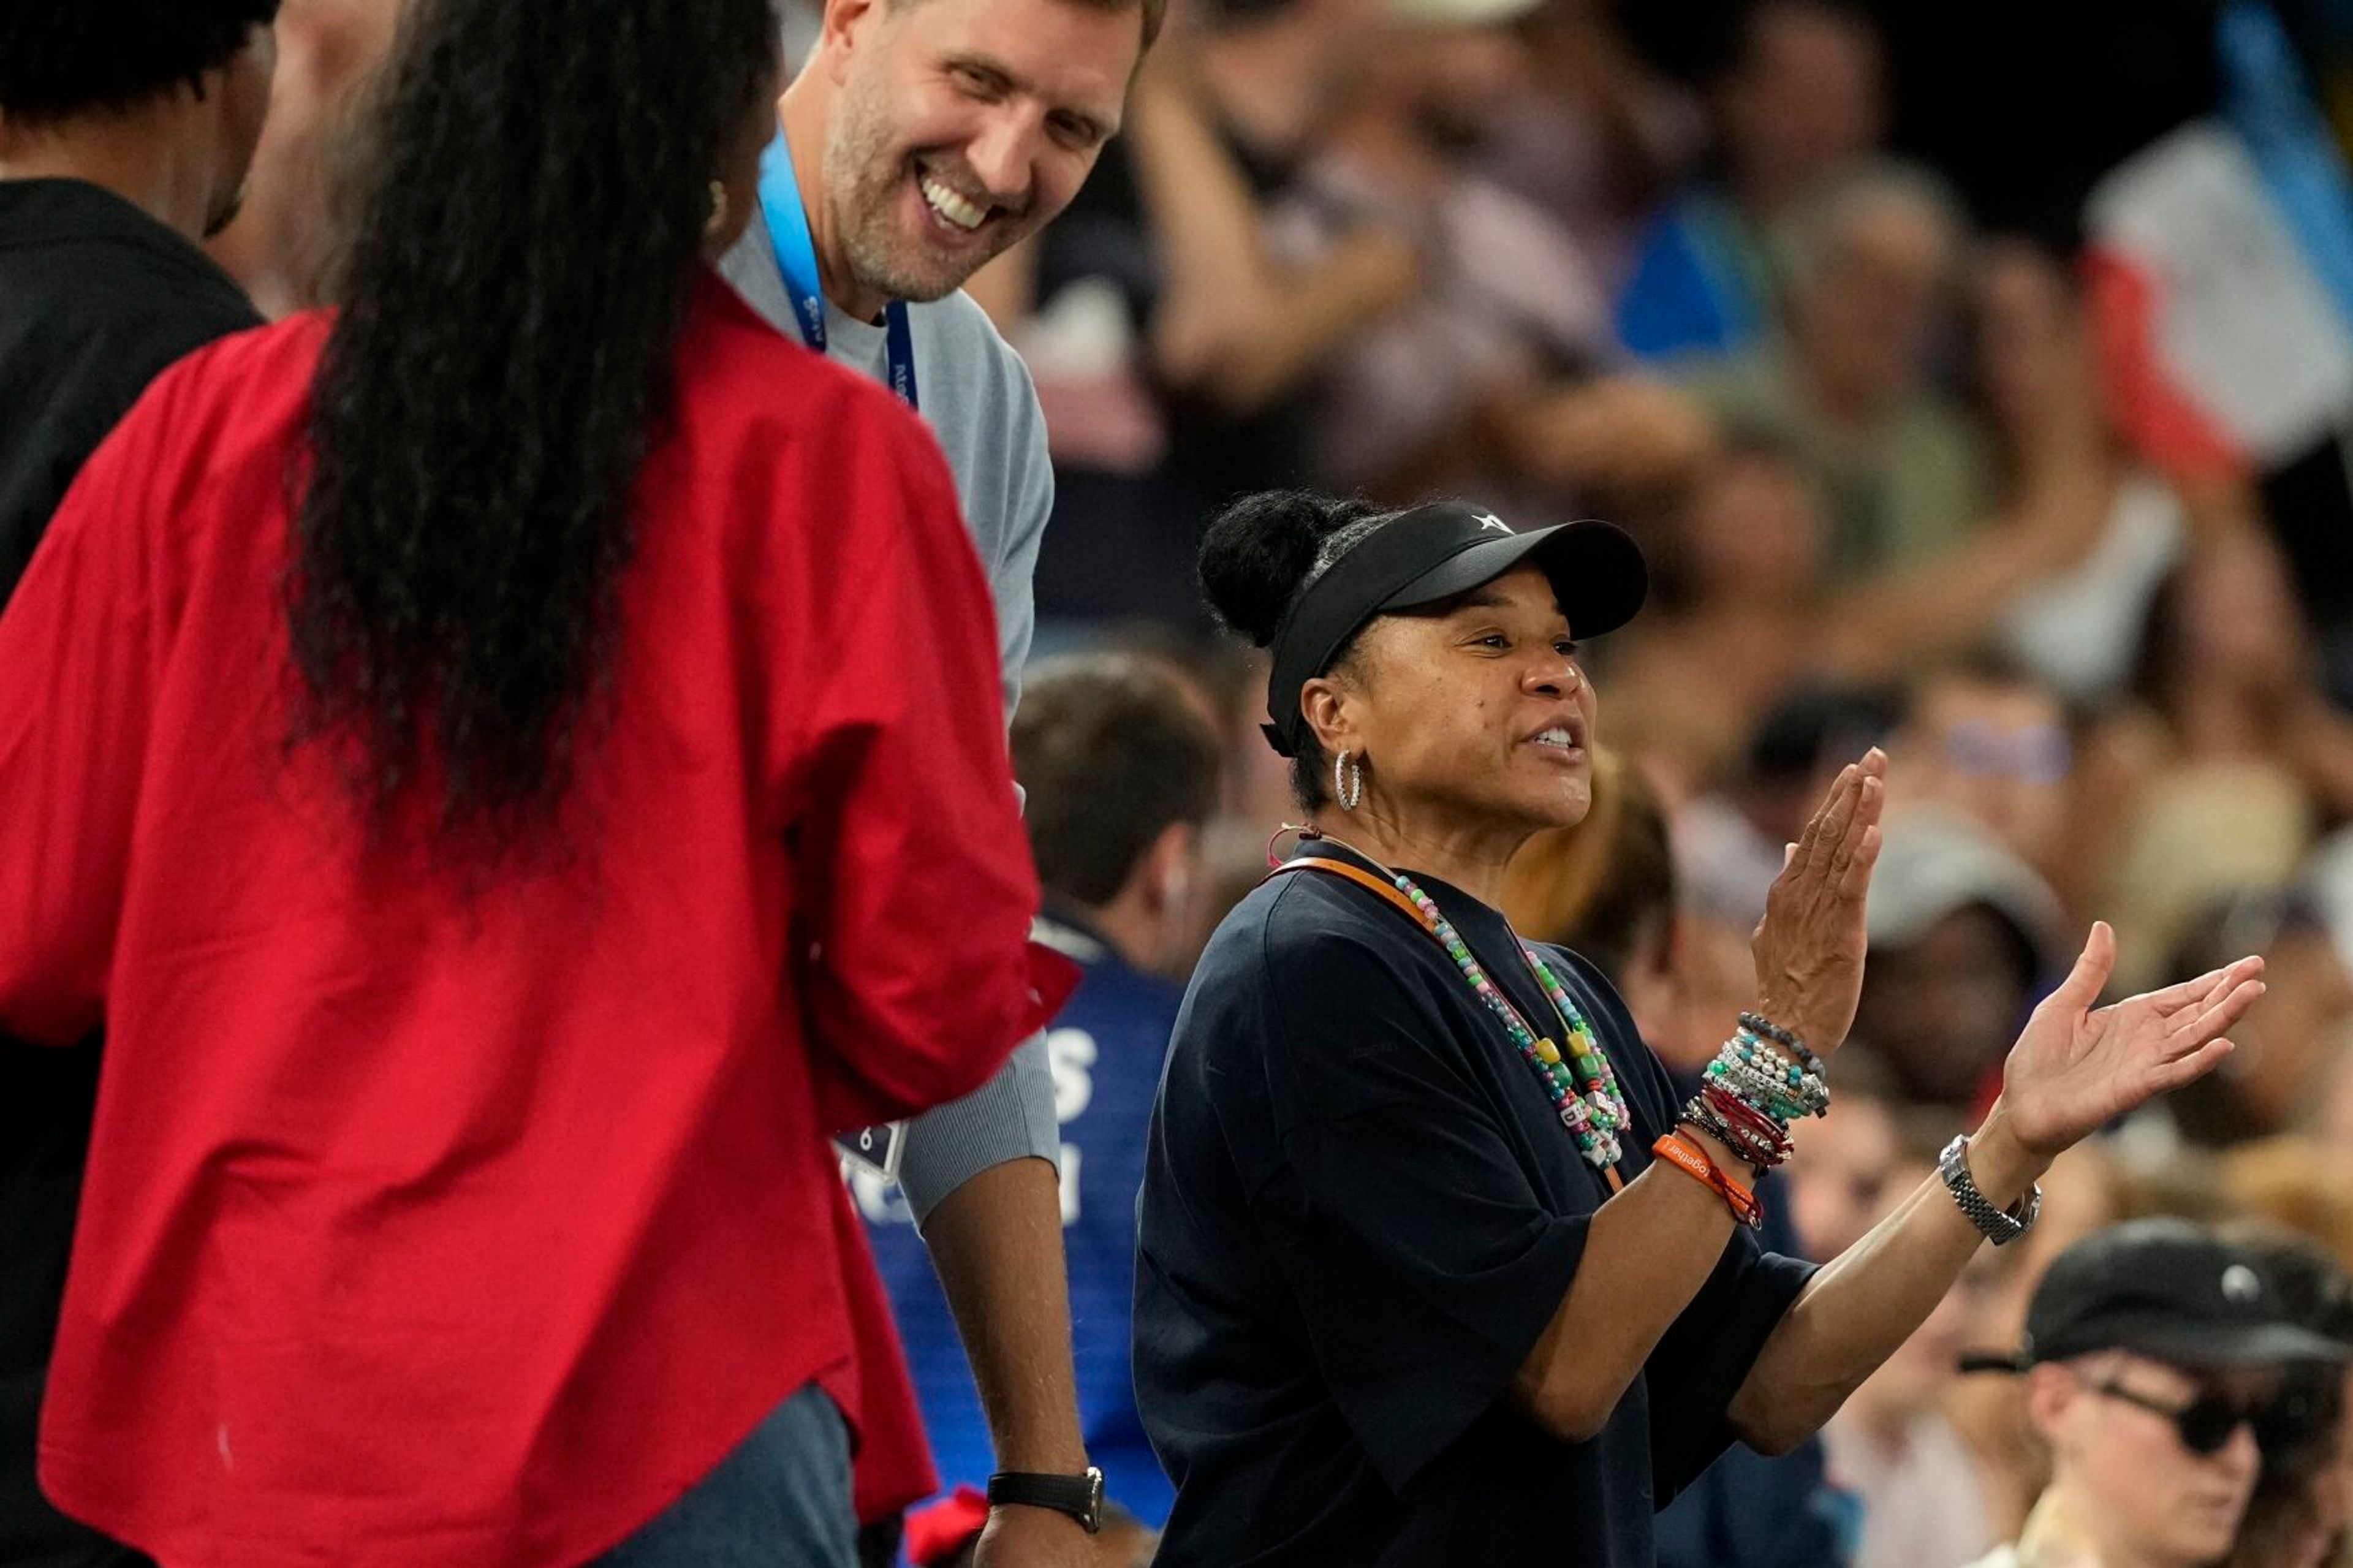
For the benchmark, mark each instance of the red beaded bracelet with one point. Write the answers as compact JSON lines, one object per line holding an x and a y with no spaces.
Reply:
{"x":1698,"y":1164}
{"x":1769,"y":1137}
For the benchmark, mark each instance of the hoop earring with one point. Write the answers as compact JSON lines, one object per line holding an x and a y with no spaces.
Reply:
{"x":718,"y":221}
{"x":1347,"y":781}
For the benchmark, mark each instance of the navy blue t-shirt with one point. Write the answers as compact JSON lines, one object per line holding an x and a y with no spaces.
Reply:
{"x":1359,"y":1214}
{"x":1106,"y":1047}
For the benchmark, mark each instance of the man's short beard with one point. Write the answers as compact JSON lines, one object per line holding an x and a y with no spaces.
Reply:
{"x":863,"y":183}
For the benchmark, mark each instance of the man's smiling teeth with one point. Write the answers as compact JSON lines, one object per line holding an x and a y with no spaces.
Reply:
{"x":1556,"y":737}
{"x":950,"y":206}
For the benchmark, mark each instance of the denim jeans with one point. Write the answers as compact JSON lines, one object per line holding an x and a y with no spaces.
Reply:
{"x":780,"y":1500}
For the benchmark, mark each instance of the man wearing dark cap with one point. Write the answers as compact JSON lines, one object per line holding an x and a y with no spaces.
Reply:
{"x":2154,"y":1358}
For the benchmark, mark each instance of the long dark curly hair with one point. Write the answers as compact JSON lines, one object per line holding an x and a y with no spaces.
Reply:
{"x":525,"y":244}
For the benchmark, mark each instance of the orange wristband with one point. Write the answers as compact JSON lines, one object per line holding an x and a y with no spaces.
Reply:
{"x":1700,"y":1167}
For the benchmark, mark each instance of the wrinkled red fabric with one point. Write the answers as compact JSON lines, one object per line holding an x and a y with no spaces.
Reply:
{"x":440,"y":1218}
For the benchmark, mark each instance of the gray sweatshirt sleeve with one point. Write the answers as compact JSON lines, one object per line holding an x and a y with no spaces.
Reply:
{"x":1011,"y":1117}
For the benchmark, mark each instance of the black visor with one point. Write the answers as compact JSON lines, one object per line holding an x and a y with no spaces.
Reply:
{"x":1434,"y":552}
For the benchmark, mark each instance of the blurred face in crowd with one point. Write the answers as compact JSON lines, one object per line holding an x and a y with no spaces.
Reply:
{"x":2034,"y":353}
{"x":1479,"y":716}
{"x":1997,"y":749}
{"x":1942,"y":1011}
{"x":1842,"y":1175}
{"x":1457,"y":81}
{"x":963,"y":127}
{"x":1807,"y":99}
{"x":2285,"y":1047}
{"x":283,"y":246}
{"x":2237,"y":622}
{"x":2136,"y":1485}
{"x":1874,"y":294}
{"x":1752,"y":531}
{"x":2303,"y":1511}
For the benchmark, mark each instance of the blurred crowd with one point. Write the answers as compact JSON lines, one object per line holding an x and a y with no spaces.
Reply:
{"x":1979,"y":381}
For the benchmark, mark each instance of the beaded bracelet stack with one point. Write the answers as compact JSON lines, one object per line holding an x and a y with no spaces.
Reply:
{"x":1762,"y":1080}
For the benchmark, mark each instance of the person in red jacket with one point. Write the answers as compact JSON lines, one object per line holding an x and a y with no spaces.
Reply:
{"x":498,"y":759}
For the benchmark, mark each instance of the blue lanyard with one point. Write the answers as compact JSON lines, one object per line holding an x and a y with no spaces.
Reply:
{"x":788,"y":231}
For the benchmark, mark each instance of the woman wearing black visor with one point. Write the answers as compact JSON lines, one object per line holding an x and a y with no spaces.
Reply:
{"x":1435,"y":1266}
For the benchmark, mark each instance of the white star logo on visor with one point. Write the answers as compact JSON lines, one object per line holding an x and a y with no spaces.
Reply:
{"x":1488,"y":520}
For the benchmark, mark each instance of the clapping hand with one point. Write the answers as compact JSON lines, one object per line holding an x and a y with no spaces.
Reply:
{"x":2077,"y":1067}
{"x":1808,"y":947}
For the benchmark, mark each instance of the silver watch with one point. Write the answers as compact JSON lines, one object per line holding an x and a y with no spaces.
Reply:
{"x":1997,"y":1226}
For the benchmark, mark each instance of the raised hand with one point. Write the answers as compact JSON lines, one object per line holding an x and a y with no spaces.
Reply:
{"x":2075,"y":1069}
{"x":1808,"y":947}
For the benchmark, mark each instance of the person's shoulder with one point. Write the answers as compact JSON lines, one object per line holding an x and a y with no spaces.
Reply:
{"x":735,"y":362}
{"x":1322,"y":936}
{"x":957,"y":331}
{"x":957,"y":324}
{"x":243,"y":384}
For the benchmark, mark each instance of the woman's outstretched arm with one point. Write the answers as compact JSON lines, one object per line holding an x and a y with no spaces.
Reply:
{"x":2073,"y":1071}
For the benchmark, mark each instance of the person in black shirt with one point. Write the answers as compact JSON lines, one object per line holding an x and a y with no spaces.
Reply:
{"x":126,"y":131}
{"x":1404,"y":1296}
{"x":127,"y":127}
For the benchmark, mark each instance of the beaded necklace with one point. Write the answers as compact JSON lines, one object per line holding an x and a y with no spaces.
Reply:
{"x":1583,"y":1089}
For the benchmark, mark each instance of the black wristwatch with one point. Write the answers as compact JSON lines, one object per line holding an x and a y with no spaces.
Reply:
{"x":1080,"y":1497}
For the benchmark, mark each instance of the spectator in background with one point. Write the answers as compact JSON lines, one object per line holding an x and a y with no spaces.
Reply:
{"x":2302,"y":1513}
{"x":1802,"y":101}
{"x":127,"y":134}
{"x":1122,"y":774}
{"x":2076,"y":624}
{"x":2155,"y":1358}
{"x":1595,"y":139}
{"x":2231,"y":757}
{"x":1741,"y":625}
{"x":2281,"y":1057}
{"x":127,"y":130}
{"x":1507,"y":304}
{"x":287,"y":241}
{"x":1892,"y":1445}
{"x":1175,"y":315}
{"x":1960,"y":933}
{"x":1872,"y":260}
{"x":1986,"y":739}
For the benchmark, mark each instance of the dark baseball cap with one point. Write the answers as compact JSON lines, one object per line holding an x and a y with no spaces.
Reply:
{"x":1434,"y":552}
{"x":2165,"y":1288}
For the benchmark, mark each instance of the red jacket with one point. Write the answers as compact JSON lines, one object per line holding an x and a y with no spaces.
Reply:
{"x":431,"y":1224}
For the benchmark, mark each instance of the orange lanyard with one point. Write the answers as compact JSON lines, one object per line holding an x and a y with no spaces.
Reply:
{"x":1356,"y":874}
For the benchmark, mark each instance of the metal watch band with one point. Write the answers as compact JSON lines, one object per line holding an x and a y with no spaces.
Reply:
{"x":1997,"y":1226}
{"x":1081,"y":1495}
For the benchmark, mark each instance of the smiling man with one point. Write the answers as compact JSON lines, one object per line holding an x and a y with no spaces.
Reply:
{"x":921,"y":138}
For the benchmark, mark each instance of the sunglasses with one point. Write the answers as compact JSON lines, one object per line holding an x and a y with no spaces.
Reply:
{"x":2283,"y":1422}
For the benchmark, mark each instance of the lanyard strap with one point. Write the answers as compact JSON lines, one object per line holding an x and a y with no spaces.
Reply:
{"x":788,"y":233}
{"x":1361,"y":878}
{"x":1396,"y":895}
